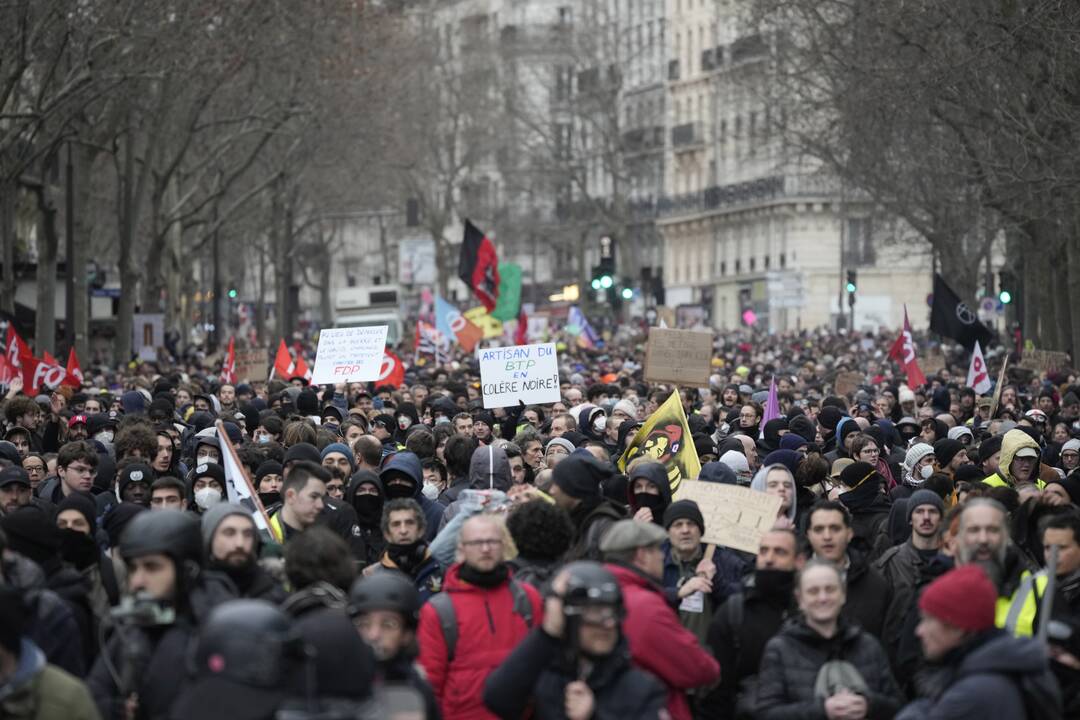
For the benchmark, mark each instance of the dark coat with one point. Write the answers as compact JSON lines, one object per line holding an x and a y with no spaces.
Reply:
{"x":901,"y":566}
{"x":535,"y":670}
{"x":979,"y":680}
{"x":793,"y":659}
{"x":592,"y":518}
{"x":867,"y":595}
{"x":158,"y":679}
{"x":51,"y":623}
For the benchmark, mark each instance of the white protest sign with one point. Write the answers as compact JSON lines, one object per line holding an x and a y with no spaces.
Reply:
{"x":735,"y":517}
{"x":349,"y":355}
{"x":519,"y":373}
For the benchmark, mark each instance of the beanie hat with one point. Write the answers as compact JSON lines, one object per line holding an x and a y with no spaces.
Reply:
{"x":580,"y":475}
{"x":804,"y":427}
{"x":788,"y":458}
{"x":964,"y":598}
{"x":344,"y":450}
{"x":626,"y":407}
{"x":1071,"y":444}
{"x":213,"y":517}
{"x":856,"y":474}
{"x":959,"y":431}
{"x":924,"y":497}
{"x":830,"y":417}
{"x":560,"y":442}
{"x":736,"y":461}
{"x":307,"y":403}
{"x":793,"y":441}
{"x":988,"y":447}
{"x":684,"y":510}
{"x":946,"y":449}
{"x":30,"y":532}
{"x":135,"y":472}
{"x":117,"y":519}
{"x":906,"y":395}
{"x":268,"y":467}
{"x":84,"y":504}
{"x":704,"y":445}
{"x":302,"y":451}
{"x":917,"y":452}
{"x":968,"y":473}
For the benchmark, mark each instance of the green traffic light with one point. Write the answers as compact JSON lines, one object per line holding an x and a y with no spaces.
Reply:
{"x":627,"y":293}
{"x":606,"y":281}
{"x":233,"y":293}
{"x":851,"y":287}
{"x":596,"y":284}
{"x":1005,"y":297}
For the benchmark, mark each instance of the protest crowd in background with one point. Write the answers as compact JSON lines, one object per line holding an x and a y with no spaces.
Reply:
{"x":176,"y":545}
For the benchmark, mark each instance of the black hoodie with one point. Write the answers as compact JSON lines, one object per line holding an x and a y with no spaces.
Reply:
{"x":369,"y":515}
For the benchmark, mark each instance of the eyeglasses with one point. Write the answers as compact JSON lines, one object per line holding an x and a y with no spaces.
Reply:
{"x":493,"y":542}
{"x":81,"y":470}
{"x":34,"y":469}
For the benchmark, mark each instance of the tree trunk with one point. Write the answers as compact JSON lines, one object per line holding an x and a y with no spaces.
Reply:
{"x":260,"y":306}
{"x":8,"y":192}
{"x":128,"y":278}
{"x":48,"y":245}
{"x":83,"y":223}
{"x":173,"y":263}
{"x":278,"y":252}
{"x":1072,"y":268}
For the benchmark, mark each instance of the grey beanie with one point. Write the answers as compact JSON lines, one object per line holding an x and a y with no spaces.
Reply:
{"x":924,"y":497}
{"x":213,"y":517}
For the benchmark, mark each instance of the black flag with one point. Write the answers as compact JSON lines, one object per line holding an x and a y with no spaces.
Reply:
{"x":951,"y":317}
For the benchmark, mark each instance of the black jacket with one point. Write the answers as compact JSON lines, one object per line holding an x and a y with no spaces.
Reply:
{"x":592,"y":518}
{"x":51,"y":622}
{"x":795,"y":656}
{"x":867,"y":595}
{"x":901,"y":566}
{"x":869,"y":519}
{"x":536,"y":670}
{"x":402,"y":670}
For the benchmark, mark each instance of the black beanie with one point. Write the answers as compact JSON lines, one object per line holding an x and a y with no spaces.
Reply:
{"x":969,"y":473}
{"x":684,"y":510}
{"x":830,"y":417}
{"x":946,"y":449}
{"x":118,"y":518}
{"x":84,"y":503}
{"x":988,"y":447}
{"x":580,"y":475}
{"x":302,"y":451}
{"x":804,"y":427}
{"x":31,"y":533}
{"x":307,"y":403}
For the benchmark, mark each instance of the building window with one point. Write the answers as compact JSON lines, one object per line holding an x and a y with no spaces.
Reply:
{"x":753,"y":264}
{"x":783,"y":260}
{"x":723,"y":268}
{"x":738,"y":266}
{"x":766,"y":262}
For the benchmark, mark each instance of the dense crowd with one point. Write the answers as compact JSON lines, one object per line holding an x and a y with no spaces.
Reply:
{"x":413,"y":554}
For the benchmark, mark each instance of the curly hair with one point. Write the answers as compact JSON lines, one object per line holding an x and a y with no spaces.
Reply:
{"x":317,"y":554}
{"x":299,"y":431}
{"x":541,"y":530}
{"x":18,"y":406}
{"x":136,"y":438}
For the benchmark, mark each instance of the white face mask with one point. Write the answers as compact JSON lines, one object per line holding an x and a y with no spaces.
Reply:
{"x":105,"y":437}
{"x":926,"y":471}
{"x":199,"y":460}
{"x":207,"y":497}
{"x":431,"y":491}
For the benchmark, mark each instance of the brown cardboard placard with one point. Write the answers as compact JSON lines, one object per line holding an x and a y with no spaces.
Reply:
{"x":735,"y":516}
{"x":847,"y":382}
{"x":1044,"y":360}
{"x":252,"y":364}
{"x":679,"y":357}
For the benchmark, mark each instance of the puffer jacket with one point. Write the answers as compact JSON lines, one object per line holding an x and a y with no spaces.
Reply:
{"x":1011,"y":442}
{"x":659,"y":644}
{"x":488,"y":629}
{"x":793,"y":659}
{"x":39,"y":691}
{"x":867,"y":595}
{"x":536,"y":671}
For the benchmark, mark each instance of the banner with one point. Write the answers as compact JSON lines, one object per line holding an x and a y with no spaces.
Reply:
{"x":978,"y":378}
{"x":349,"y":355}
{"x":228,"y":368}
{"x":509,"y":302}
{"x":735,"y":517}
{"x":479,"y":316}
{"x":452,"y":324}
{"x":15,"y":349}
{"x":238,"y":487}
{"x":38,"y":374}
{"x":392,"y":372}
{"x":951,"y":317}
{"x":679,"y":357}
{"x":903,"y":351}
{"x":74,"y":375}
{"x":519,"y":374}
{"x":577,"y":324}
{"x":478,"y":266}
{"x":666,"y":438}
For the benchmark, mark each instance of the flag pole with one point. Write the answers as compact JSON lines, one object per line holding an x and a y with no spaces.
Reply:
{"x":227,"y":446}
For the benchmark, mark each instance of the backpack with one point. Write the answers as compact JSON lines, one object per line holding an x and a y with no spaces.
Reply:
{"x":1042,"y":696}
{"x":444,"y":608}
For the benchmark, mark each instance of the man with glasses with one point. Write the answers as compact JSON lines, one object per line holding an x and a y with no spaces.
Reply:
{"x":36,"y":469}
{"x":467,"y":630}
{"x":76,"y":468}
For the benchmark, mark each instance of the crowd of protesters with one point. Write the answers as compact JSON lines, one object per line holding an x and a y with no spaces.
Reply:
{"x":422,"y":556}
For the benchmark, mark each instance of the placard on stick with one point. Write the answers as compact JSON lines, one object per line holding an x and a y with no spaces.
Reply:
{"x":679,"y":357}
{"x":735,"y":517}
{"x":252,"y":364}
{"x":349,"y":355}
{"x":519,"y":373}
{"x":847,"y":383}
{"x":1044,"y":360}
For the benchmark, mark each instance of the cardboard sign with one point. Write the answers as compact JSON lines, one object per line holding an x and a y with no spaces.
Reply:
{"x":735,"y":516}
{"x":252,"y":364}
{"x":349,"y":355}
{"x":679,"y":357}
{"x":847,"y":383}
{"x":1044,"y":360}
{"x":519,"y":373}
{"x":932,"y":364}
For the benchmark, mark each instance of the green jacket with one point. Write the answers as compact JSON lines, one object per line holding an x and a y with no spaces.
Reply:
{"x":39,"y":691}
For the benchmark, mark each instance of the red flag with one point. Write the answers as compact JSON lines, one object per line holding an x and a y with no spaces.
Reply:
{"x":903,"y":350}
{"x":282,"y":363}
{"x":478,"y":266}
{"x":521,"y":334}
{"x":300,"y":369}
{"x":14,"y":352}
{"x":48,"y":357}
{"x":228,"y":370}
{"x":392,"y":372}
{"x":74,"y":377}
{"x":37,"y":374}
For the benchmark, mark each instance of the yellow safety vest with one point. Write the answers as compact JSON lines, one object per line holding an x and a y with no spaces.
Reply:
{"x":276,"y":529}
{"x":1016,"y":615}
{"x":996,"y":480}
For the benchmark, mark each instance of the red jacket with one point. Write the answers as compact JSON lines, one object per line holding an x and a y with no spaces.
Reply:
{"x":659,"y":644}
{"x":488,"y":629}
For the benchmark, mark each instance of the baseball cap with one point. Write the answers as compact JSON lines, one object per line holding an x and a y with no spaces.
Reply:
{"x":76,"y":420}
{"x":1027,"y":452}
{"x":14,"y":475}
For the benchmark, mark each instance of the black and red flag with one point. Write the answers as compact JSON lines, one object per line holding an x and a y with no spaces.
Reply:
{"x":478,"y":266}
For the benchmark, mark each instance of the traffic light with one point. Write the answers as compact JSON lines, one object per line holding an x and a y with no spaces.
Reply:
{"x":1006,"y":286}
{"x":602,"y":278}
{"x":627,"y":293}
{"x":233,"y":293}
{"x":851,"y":287}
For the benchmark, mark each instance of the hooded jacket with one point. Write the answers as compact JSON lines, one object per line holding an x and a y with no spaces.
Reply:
{"x":758,"y":483}
{"x":372,"y":534}
{"x":1011,"y":443}
{"x":869,"y":510}
{"x":490,"y":469}
{"x":656,"y":475}
{"x":488,"y":630}
{"x":659,"y":644}
{"x":39,"y":691}
{"x":408,"y":464}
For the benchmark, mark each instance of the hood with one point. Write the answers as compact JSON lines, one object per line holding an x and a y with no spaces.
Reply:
{"x":758,"y":483}
{"x":489,"y":468}
{"x":1011,"y":443}
{"x":584,"y":416}
{"x":656,"y":475}
{"x":1006,"y":655}
{"x":407,"y":464}
{"x":771,"y":432}
{"x":718,"y":472}
{"x":360,"y":477}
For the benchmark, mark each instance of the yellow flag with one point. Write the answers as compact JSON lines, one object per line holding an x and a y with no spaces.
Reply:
{"x":479,"y":316}
{"x":665,"y":437}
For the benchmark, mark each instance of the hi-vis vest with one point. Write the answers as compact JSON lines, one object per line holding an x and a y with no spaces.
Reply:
{"x":277,"y":531}
{"x":1016,"y":615}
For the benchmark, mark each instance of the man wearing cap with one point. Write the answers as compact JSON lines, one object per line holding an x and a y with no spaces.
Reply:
{"x":232,"y":546}
{"x":76,"y":428}
{"x":576,"y":487}
{"x":134,"y":480}
{"x":981,"y":669}
{"x":1019,"y":462}
{"x":658,"y":642}
{"x":902,"y":565}
{"x":557,"y":449}
{"x":14,"y":489}
{"x":383,"y":427}
{"x":340,"y":456}
{"x":700,"y":583}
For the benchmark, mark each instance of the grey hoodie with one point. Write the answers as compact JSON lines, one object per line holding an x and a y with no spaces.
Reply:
{"x":489,"y":469}
{"x":758,"y":483}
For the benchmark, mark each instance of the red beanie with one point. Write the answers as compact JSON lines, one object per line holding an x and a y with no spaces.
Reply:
{"x":964,"y":598}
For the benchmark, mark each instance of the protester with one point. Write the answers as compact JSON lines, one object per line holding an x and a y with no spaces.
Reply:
{"x":407,"y":552}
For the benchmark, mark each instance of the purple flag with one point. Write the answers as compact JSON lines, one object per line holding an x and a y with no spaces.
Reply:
{"x":772,"y":406}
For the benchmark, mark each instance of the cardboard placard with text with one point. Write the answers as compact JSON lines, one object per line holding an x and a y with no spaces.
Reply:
{"x":1044,"y":360}
{"x":847,"y":383}
{"x":678,"y":357}
{"x":519,"y":373}
{"x":735,"y":516}
{"x":252,"y":365}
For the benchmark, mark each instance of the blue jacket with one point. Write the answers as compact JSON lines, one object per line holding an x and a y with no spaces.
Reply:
{"x":730,"y":570}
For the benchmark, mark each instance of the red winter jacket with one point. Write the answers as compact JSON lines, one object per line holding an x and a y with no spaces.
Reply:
{"x":488,"y":629}
{"x":659,"y":643}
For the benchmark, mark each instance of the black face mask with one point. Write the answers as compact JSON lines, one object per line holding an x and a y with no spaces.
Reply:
{"x":269,"y":498}
{"x":395,"y":491}
{"x":368,"y":508}
{"x":655,"y":503}
{"x":332,"y":427}
{"x":78,"y":548}
{"x":409,"y":556}
{"x":775,"y":583}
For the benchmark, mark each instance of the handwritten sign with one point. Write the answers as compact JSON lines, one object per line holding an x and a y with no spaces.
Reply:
{"x":252,"y":364}
{"x":847,"y":383}
{"x":735,"y":517}
{"x":1044,"y":360}
{"x":519,"y":373}
{"x":349,"y":355}
{"x":679,"y":357}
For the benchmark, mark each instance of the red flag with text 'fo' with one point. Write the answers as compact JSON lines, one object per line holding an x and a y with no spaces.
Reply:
{"x":478,"y":266}
{"x":74,"y":377}
{"x":903,"y":350}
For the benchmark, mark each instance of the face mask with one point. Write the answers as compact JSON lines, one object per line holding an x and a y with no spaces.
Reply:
{"x":201,"y":459}
{"x":773,"y":582}
{"x":78,"y":548}
{"x":394,"y":491}
{"x":655,"y":503}
{"x":926,"y":471}
{"x":440,"y":420}
{"x":105,"y":437}
{"x":404,"y":422}
{"x":263,"y":439}
{"x":599,"y":424}
{"x":368,"y":508}
{"x":332,"y":427}
{"x":207,"y":497}
{"x":269,"y":498}
{"x":431,"y":491}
